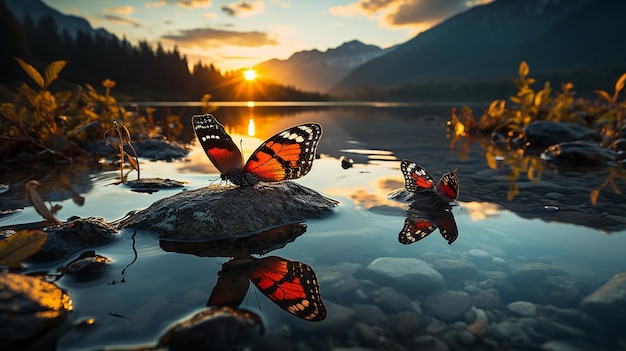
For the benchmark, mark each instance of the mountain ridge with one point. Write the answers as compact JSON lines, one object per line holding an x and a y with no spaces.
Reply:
{"x":316,"y":70}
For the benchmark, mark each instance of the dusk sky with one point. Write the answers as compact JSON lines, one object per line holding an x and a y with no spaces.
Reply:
{"x":239,"y":34}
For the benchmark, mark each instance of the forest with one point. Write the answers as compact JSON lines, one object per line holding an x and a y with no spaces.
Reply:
{"x":141,"y":72}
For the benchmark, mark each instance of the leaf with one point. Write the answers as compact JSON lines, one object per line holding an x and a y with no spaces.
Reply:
{"x":37,"y":201}
{"x":523,"y":69}
{"x":31,"y":71}
{"x":593,"y":197}
{"x":20,"y":246}
{"x":620,"y":83}
{"x":513,"y":191}
{"x":133,"y":161}
{"x":52,"y":71}
{"x":603,"y":94}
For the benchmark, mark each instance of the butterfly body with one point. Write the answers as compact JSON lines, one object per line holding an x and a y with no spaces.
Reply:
{"x":286,"y":155}
{"x":417,"y":179}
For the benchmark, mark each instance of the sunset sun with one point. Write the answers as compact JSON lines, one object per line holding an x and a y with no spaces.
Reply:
{"x":250,"y":74}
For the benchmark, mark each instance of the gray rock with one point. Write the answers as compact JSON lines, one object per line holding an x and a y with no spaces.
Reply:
{"x":219,"y":212}
{"x":405,"y":323}
{"x":487,"y":299}
{"x":522,"y":308}
{"x":68,"y":238}
{"x":409,"y":275}
{"x":510,"y":331}
{"x":578,"y":154}
{"x":338,"y":279}
{"x":370,"y":315}
{"x":541,"y":134}
{"x":608,"y":303}
{"x":391,"y":300}
{"x":447,"y":305}
{"x":365,"y":334}
{"x":455,"y":269}
{"x":31,"y":311}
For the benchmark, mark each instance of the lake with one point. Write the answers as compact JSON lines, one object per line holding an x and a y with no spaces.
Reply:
{"x":516,"y":277}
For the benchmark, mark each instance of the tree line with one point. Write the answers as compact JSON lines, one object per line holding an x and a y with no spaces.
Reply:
{"x":140,"y":71}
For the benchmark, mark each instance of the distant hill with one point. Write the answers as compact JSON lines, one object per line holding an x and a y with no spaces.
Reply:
{"x":316,"y":70}
{"x":36,"y":10}
{"x":489,"y":42}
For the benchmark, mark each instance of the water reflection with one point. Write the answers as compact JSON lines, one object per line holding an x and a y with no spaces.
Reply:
{"x":291,"y":285}
{"x":420,"y":222}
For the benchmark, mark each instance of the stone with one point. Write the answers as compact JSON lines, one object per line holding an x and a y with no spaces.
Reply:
{"x":405,"y":323}
{"x":455,"y":269}
{"x":338,"y":280}
{"x":390,"y":300}
{"x":608,"y":303}
{"x":578,"y":155}
{"x":408,"y":275}
{"x":542,"y":134}
{"x":67,"y":238}
{"x":522,"y":308}
{"x":365,"y":334}
{"x":31,"y":311}
{"x":370,"y":315}
{"x":223,"y":212}
{"x":509,"y":331}
{"x":487,"y":299}
{"x":447,"y":305}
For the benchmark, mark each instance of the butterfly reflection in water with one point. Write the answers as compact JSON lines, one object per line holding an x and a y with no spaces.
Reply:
{"x":286,"y":155}
{"x":430,"y":206}
{"x":291,"y":285}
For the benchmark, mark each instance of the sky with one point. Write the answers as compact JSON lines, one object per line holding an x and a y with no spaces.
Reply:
{"x":237,"y":34}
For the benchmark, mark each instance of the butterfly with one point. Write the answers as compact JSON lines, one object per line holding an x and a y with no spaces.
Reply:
{"x":416,"y":178}
{"x":286,"y":155}
{"x":291,"y":285}
{"x":419,"y":224}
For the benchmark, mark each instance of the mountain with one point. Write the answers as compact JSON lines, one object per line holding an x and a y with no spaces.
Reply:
{"x":37,"y":10}
{"x":315,"y":70}
{"x":489,"y":41}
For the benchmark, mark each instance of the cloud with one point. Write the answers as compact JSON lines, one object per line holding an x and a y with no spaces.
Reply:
{"x":213,"y":38}
{"x":156,"y":4}
{"x":417,"y":13}
{"x":121,"y":20}
{"x":119,"y":10}
{"x":244,"y":8}
{"x":188,"y":4}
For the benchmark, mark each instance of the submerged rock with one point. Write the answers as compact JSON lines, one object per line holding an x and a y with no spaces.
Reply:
{"x":225,"y":212}
{"x":608,"y":303}
{"x":542,"y":134}
{"x":31,"y":312}
{"x":579,"y":154}
{"x":409,"y":275}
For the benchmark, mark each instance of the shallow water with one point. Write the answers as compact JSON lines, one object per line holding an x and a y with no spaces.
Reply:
{"x":546,"y":263}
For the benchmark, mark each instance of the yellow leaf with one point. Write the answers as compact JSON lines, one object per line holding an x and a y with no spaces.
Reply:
{"x":133,"y":161}
{"x":593,"y":197}
{"x":52,"y":71}
{"x":620,"y":83}
{"x":523,"y":69}
{"x":603,"y":94}
{"x":513,"y":191}
{"x":37,"y":201}
{"x":20,"y":246}
{"x":31,"y":71}
{"x":491,"y":161}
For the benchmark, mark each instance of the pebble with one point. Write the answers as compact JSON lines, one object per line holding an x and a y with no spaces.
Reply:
{"x":522,"y":308}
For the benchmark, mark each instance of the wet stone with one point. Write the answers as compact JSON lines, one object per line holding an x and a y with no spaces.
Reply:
{"x":366,"y":335}
{"x":405,"y":323}
{"x":447,"y":305}
{"x":510,"y":331}
{"x":389,"y":300}
{"x":487,"y":299}
{"x":225,"y":212}
{"x":409,"y":275}
{"x":455,"y":269}
{"x":31,"y":311}
{"x":522,"y":308}
{"x":608,"y":302}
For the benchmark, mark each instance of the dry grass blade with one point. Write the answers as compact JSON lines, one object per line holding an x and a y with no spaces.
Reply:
{"x":37,"y":201}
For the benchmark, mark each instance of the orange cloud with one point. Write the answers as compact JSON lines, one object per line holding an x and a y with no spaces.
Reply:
{"x":212,"y":38}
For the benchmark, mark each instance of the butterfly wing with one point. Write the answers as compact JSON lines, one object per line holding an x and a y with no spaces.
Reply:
{"x":291,"y":285}
{"x":232,"y":284}
{"x":449,"y":186}
{"x":447,"y":226}
{"x":287,"y":155}
{"x":415,"y":229}
{"x":415,"y":176}
{"x":217,"y":144}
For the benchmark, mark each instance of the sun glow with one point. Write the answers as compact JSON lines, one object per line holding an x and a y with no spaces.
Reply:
{"x":250,"y":74}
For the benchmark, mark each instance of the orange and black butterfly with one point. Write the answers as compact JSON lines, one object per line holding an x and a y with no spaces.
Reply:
{"x":286,"y":155}
{"x":416,"y":178}
{"x":419,"y":224}
{"x":291,"y":285}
